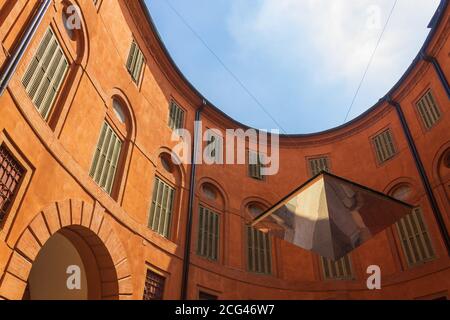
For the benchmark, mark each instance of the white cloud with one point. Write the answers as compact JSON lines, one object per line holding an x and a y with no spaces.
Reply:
{"x":332,"y":39}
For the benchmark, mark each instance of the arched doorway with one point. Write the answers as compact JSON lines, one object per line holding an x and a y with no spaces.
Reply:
{"x":68,"y":268}
{"x":67,"y":234}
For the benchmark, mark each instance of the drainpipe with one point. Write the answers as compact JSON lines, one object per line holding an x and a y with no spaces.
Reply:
{"x":187,"y":248}
{"x":19,"y":51}
{"x":438,"y":69}
{"x":423,"y":175}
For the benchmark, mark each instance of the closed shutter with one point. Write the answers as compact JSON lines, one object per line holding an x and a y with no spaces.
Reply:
{"x":135,"y":62}
{"x":429,"y":110}
{"x":162,"y":206}
{"x":258,"y":251}
{"x":337,"y":270}
{"x":318,"y":165}
{"x":106,"y":158}
{"x":384,"y":146}
{"x":45,"y":74}
{"x":208,"y":234}
{"x":176,"y":116}
{"x":415,"y":238}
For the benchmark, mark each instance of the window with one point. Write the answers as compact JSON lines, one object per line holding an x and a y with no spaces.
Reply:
{"x":154,"y":286}
{"x":255,"y":166}
{"x":384,"y":146}
{"x":206,"y":296}
{"x":45,"y":74}
{"x":337,"y":270}
{"x":176,"y":116}
{"x":208,"y":234}
{"x":429,"y":110}
{"x":415,"y":239}
{"x":258,"y":251}
{"x":162,"y":207}
{"x":135,"y":62}
{"x":106,"y":158}
{"x":317,"y":165}
{"x":11,"y":173}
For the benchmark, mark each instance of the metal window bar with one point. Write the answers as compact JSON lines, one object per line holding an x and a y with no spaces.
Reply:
{"x":11,"y":173}
{"x":154,"y":286}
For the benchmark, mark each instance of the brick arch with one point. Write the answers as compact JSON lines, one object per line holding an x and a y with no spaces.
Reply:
{"x":91,"y":224}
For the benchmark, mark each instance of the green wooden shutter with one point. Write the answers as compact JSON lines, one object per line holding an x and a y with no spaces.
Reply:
{"x":176,"y":116}
{"x":255,"y":170}
{"x":106,"y":158}
{"x":384,"y":146}
{"x":135,"y":62}
{"x":45,"y":74}
{"x":160,"y":216}
{"x":337,"y":270}
{"x":415,"y":238}
{"x":208,"y":234}
{"x":318,"y":165}
{"x":429,"y":110}
{"x":259,"y":257}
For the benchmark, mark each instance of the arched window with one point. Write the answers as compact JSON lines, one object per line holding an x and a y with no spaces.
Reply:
{"x":412,"y":230}
{"x":209,"y":221}
{"x":111,"y":148}
{"x":258,"y":244}
{"x":163,"y":206}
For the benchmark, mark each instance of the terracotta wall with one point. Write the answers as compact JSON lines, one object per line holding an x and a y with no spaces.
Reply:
{"x":59,"y":154}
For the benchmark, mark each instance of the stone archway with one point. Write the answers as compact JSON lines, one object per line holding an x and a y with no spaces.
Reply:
{"x":88,"y":234}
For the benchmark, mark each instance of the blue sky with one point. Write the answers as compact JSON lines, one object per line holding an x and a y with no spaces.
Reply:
{"x":301,"y":59}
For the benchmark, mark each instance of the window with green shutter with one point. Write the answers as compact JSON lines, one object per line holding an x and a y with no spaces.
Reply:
{"x":45,"y":74}
{"x":208,"y":234}
{"x":337,"y":270}
{"x":415,"y":239}
{"x":135,"y":62}
{"x":106,"y":158}
{"x":384,"y":146}
{"x":259,"y":253}
{"x":160,"y":217}
{"x":319,"y":164}
{"x":176,"y":116}
{"x":428,"y":110}
{"x":255,"y":165}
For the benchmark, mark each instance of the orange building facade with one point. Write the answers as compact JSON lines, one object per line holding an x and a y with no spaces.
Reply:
{"x":86,"y":125}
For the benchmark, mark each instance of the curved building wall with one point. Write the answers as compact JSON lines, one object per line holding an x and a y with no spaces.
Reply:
{"x":58,"y":192}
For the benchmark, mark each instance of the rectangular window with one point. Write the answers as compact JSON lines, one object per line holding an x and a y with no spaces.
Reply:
{"x":176,"y":116}
{"x":255,"y":165}
{"x":45,"y":74}
{"x":415,"y":239}
{"x":106,"y":158}
{"x":429,"y":110}
{"x":208,"y":234}
{"x":162,"y":206}
{"x":317,"y":165}
{"x":135,"y":62}
{"x":154,"y":286}
{"x":11,"y":173}
{"x":384,"y":146}
{"x":337,"y":270}
{"x":258,"y":251}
